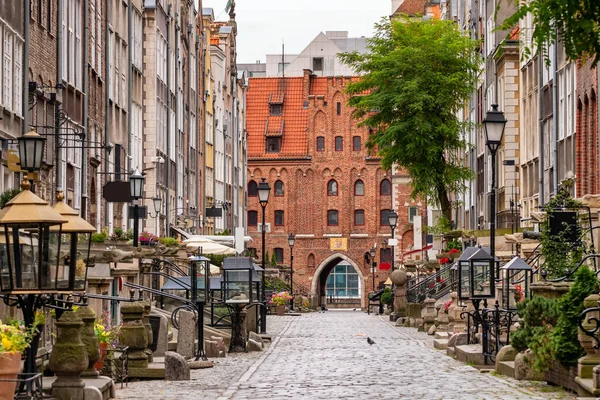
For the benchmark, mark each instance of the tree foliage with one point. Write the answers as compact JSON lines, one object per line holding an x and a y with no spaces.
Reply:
{"x":575,"y":22}
{"x":415,"y":79}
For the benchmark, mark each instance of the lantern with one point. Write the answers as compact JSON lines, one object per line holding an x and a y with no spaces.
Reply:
{"x":76,"y":240}
{"x":31,"y":151}
{"x":481,"y":275}
{"x":239,"y":275}
{"x":516,"y":275}
{"x":136,"y":185}
{"x":464,"y":287}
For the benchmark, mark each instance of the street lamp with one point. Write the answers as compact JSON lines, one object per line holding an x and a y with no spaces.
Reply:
{"x":136,"y":190}
{"x":195,"y":267}
{"x":393,"y":221}
{"x":494,"y":124}
{"x":157,"y":206}
{"x":372,"y":252}
{"x":263,"y":189}
{"x":291,"y":241}
{"x":515,"y":271}
{"x":31,"y":150}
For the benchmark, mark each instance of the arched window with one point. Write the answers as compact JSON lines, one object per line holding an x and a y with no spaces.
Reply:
{"x":252,"y":218}
{"x":279,"y":191}
{"x":359,"y":188}
{"x":252,"y":189}
{"x":332,"y":188}
{"x":311,"y":260}
{"x":385,"y":189}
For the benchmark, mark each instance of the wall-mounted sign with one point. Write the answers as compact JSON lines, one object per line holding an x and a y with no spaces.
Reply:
{"x":338,"y":244}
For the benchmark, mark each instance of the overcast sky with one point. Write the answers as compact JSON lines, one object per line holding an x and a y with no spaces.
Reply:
{"x":263,"y":24}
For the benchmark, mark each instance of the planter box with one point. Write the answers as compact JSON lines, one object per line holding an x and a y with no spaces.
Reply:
{"x":561,"y":376}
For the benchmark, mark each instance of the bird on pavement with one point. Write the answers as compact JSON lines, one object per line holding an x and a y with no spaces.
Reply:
{"x":370,"y":341}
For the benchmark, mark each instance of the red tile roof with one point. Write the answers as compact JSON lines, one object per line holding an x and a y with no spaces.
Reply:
{"x":295,"y":117}
{"x":411,"y":7}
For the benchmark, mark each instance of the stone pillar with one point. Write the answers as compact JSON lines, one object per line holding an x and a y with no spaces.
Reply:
{"x":451,"y":320}
{"x":133,"y":334}
{"x":443,"y":320}
{"x":586,"y":364}
{"x":69,"y":358}
{"x":399,"y":279}
{"x":146,"y":321}
{"x":89,"y":339}
{"x":429,"y":314}
{"x":460,"y":324}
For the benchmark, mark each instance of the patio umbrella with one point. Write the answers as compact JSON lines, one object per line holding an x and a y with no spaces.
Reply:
{"x":210,"y":247}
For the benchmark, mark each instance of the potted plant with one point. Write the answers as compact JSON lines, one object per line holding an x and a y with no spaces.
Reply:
{"x":106,"y":338}
{"x":148,"y":239}
{"x":279,"y":300}
{"x":14,"y":339}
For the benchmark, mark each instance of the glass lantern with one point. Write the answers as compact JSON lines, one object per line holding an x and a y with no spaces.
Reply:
{"x":463,"y":266}
{"x":516,"y":275}
{"x":199,"y":267}
{"x":238,"y":278}
{"x":481,"y":274}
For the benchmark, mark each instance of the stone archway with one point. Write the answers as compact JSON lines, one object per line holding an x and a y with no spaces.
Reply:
{"x":324,"y":269}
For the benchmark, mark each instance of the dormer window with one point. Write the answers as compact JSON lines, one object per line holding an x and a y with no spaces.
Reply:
{"x":273,"y":144}
{"x":276,"y":109}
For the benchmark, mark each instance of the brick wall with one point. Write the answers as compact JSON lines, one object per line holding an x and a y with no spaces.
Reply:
{"x":587,"y":130}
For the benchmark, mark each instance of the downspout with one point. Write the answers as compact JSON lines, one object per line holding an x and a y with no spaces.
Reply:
{"x":58,"y":106}
{"x":168,"y":157}
{"x":130,"y":92}
{"x":540,"y":130}
{"x":85,"y":119}
{"x":200,"y":122}
{"x":556,"y":120}
{"x":214,"y":151}
{"x":189,"y":119}
{"x":25,"y":69}
{"x":176,"y":133}
{"x":107,"y":109}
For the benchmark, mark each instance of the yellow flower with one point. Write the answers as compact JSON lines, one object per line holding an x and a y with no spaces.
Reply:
{"x":6,"y":343}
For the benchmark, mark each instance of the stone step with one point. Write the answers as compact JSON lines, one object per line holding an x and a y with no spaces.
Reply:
{"x":440,"y":344}
{"x":506,"y":368}
{"x":588,"y":386}
{"x":442,"y":335}
{"x":450,"y":352}
{"x":470,"y":354}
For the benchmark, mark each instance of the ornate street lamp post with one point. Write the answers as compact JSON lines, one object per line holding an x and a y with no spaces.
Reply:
{"x":136,"y":189}
{"x":199,"y":302}
{"x":264,"y":190}
{"x":494,"y":124}
{"x":393,"y":221}
{"x":291,"y":241}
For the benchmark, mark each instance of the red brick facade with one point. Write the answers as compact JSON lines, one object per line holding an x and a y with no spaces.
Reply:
{"x":315,"y":107}
{"x":587,"y":130}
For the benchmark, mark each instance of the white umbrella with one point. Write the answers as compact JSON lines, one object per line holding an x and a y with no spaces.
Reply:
{"x":210,"y":247}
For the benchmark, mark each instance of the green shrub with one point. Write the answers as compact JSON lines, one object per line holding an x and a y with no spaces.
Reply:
{"x":387,"y":296}
{"x":274,"y":259}
{"x":8,"y":195}
{"x":564,"y":338}
{"x":98,"y":237}
{"x":169,"y":241}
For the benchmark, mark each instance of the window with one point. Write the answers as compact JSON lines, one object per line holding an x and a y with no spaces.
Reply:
{"x":278,"y":255}
{"x":343,"y":281}
{"x":385,"y":255}
{"x":317,"y":64}
{"x":281,"y":67}
{"x":332,"y":188}
{"x":359,"y":188}
{"x":383,"y":217}
{"x":252,"y":189}
{"x":320,"y":143}
{"x":8,"y":69}
{"x":273,"y":145}
{"x":385,"y":188}
{"x":339,"y":143}
{"x":412,"y":213}
{"x":332,"y":217}
{"x":339,"y":108}
{"x":252,"y":218}
{"x":359,"y":217}
{"x":279,"y":218}
{"x":356,"y":143}
{"x":276,"y":109}
{"x":279,"y":188}
{"x":39,"y":11}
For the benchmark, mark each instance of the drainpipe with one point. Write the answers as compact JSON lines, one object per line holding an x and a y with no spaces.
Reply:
{"x":25,"y":69}
{"x":214,"y":151}
{"x":176,"y":133}
{"x":85,"y":119}
{"x":57,"y":106}
{"x":556,"y":119}
{"x":130,"y":93}
{"x":189,"y":118}
{"x":107,"y":150}
{"x":200,"y":123}
{"x":540,"y":72}
{"x":168,"y":157}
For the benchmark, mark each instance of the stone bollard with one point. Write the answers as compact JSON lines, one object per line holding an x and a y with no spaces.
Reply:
{"x":459,"y":323}
{"x":586,"y":363}
{"x":134,"y":334}
{"x":443,"y":320}
{"x":69,"y":358}
{"x":429,"y":314}
{"x":146,"y":321}
{"x":89,"y":339}
{"x":399,"y":279}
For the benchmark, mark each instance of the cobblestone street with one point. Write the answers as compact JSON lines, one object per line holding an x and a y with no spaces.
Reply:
{"x":326,"y":356}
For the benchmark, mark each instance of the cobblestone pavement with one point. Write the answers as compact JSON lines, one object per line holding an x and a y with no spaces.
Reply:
{"x":326,"y":356}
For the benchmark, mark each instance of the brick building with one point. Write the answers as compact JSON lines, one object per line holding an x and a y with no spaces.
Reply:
{"x":326,"y":187}
{"x":587,"y":130}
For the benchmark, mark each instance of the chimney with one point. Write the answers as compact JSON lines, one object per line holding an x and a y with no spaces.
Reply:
{"x":306,"y":81}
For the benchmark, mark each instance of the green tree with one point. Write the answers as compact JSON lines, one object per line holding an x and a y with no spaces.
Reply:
{"x":575,"y":22}
{"x":415,"y":78}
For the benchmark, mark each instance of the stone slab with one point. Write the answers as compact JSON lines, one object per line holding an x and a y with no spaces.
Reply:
{"x":506,"y":368}
{"x":154,"y":371}
{"x":103,"y":384}
{"x":470,"y":353}
{"x":442,"y":335}
{"x":200,"y":364}
{"x":440,"y":344}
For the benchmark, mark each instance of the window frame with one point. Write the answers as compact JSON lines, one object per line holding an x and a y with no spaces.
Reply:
{"x":356,"y":147}
{"x":276,"y":140}
{"x":278,"y":251}
{"x":276,"y":110}
{"x":255,"y":213}
{"x":254,"y":191}
{"x":279,"y":181}
{"x":384,"y":221}
{"x":330,"y":213}
{"x":412,"y":217}
{"x":338,"y":108}
{"x":322,"y":140}
{"x":362,"y":213}
{"x":341,"y":143}
{"x":279,"y":214}
{"x":329,"y":191}
{"x":381,"y":187}
{"x":359,"y":181}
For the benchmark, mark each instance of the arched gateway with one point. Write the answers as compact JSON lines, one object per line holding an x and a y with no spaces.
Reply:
{"x":338,"y":281}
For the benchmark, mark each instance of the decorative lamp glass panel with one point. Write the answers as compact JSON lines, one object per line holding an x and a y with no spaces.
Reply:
{"x":201,"y":266}
{"x":136,"y":185}
{"x":157,"y":204}
{"x":481,"y":273}
{"x":264,"y":189}
{"x":393,"y":218}
{"x":238,"y":282}
{"x":494,"y":124}
{"x":516,"y":277}
{"x":463,"y":270}
{"x":31,"y":151}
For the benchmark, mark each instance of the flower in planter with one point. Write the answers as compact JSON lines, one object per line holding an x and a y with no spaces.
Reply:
{"x":106,"y":335}
{"x":519,"y":296}
{"x":447,"y":306}
{"x":15,"y":337}
{"x":444,"y":260}
{"x":147,"y":237}
{"x":280,"y":298}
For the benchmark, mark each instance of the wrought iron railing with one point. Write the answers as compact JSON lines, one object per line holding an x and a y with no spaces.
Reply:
{"x":435,"y":286}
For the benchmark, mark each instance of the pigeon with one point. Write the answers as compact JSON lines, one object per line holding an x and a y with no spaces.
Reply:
{"x":354,"y":309}
{"x":370,"y":341}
